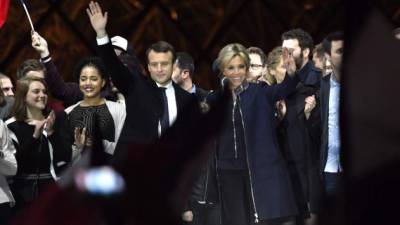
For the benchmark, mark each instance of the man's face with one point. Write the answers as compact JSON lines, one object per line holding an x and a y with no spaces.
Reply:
{"x":160,"y":66}
{"x":177,"y":74}
{"x":293,"y":45}
{"x":256,"y":69}
{"x":7,"y":87}
{"x":336,"y":55}
{"x":35,"y":74}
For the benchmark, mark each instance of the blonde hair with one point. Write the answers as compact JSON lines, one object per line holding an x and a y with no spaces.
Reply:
{"x":230,"y":51}
{"x":273,"y":60}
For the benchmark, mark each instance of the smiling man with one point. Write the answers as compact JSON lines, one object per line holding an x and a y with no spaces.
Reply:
{"x":153,"y":104}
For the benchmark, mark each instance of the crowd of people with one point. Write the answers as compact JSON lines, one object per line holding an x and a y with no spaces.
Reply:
{"x":273,"y":160}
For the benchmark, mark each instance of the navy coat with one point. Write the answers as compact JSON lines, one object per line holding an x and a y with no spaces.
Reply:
{"x":270,"y":181}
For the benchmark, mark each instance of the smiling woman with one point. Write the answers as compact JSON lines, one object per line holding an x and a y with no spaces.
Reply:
{"x":94,"y":111}
{"x":42,"y":151}
{"x":248,"y":160}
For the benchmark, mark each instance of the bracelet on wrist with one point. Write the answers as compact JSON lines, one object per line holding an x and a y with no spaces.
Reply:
{"x":45,"y":59}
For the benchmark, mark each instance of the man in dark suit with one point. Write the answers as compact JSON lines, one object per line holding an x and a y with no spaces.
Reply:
{"x":183,"y":76}
{"x":202,"y":207}
{"x":152,"y":105}
{"x":331,"y":168}
{"x":300,"y":142}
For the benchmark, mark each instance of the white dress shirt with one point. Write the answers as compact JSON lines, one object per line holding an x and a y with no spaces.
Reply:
{"x":333,"y":160}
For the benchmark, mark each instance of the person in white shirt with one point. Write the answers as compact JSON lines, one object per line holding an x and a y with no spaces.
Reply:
{"x":8,"y":167}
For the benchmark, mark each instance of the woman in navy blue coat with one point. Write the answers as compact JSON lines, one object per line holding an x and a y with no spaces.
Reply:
{"x":253,"y":180}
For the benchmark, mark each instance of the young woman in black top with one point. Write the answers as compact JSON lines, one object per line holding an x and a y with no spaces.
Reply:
{"x":42,"y":150}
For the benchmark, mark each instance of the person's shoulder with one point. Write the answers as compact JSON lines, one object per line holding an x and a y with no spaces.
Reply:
{"x":70,"y":108}
{"x":13,"y":124}
{"x":11,"y":120}
{"x":179,"y":91}
{"x":200,"y":92}
{"x":115,"y":104}
{"x":326,"y":78}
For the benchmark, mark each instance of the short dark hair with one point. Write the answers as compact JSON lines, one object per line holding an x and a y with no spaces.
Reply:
{"x":29,"y":65}
{"x":327,"y":42}
{"x":258,"y":51}
{"x":319,"y":50}
{"x":161,"y":46}
{"x":185,"y":61}
{"x":303,"y":37}
{"x":95,"y":62}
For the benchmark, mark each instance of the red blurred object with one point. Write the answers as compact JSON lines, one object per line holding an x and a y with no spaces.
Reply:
{"x":4,"y":4}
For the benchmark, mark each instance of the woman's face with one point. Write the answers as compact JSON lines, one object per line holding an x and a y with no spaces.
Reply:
{"x":36,"y":96}
{"x":90,"y":82}
{"x":235,"y":71}
{"x":279,"y":72}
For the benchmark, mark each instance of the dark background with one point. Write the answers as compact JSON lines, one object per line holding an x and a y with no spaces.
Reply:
{"x":200,"y":27}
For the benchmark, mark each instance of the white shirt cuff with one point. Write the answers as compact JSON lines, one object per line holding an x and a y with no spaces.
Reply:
{"x":102,"y":41}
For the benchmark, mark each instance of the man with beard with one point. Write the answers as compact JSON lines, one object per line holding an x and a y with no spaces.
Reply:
{"x":300,"y":127}
{"x":183,"y":75}
{"x":6,"y":85}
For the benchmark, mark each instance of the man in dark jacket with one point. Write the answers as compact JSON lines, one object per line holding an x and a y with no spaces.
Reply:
{"x":152,"y":105}
{"x":202,"y":208}
{"x":330,"y":165}
{"x":300,"y":141}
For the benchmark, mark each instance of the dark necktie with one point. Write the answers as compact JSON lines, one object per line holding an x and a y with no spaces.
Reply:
{"x":164,"y":121}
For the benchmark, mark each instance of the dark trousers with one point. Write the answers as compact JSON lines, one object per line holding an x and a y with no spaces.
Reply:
{"x":5,"y":213}
{"x":333,"y":183}
{"x":236,"y":200}
{"x":205,"y":214}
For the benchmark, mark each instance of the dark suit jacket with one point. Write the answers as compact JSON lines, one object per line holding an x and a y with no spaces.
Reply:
{"x":324,"y":103}
{"x":144,"y":103}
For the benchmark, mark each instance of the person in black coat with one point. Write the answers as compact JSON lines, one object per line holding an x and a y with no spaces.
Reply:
{"x":253,"y":180}
{"x":149,"y":109}
{"x":299,"y":144}
{"x":43,"y":149}
{"x":203,"y":205}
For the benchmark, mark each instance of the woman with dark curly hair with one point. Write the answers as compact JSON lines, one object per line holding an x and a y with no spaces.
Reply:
{"x":94,"y":111}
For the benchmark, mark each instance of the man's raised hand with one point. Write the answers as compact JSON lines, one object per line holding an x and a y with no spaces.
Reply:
{"x":97,"y":19}
{"x":288,"y":61}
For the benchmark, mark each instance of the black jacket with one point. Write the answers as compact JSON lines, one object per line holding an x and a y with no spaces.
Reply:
{"x":205,"y":186}
{"x":144,"y":104}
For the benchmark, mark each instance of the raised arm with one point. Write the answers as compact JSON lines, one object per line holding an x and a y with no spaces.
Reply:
{"x":68,"y":92}
{"x":288,"y":85}
{"x":122,"y":78}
